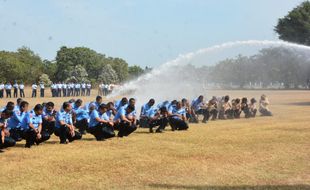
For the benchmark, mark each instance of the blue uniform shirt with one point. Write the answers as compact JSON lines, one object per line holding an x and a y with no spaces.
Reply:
{"x":121,"y":112}
{"x":92,"y":118}
{"x":81,"y":113}
{"x":146,"y":108}
{"x":16,"y":120}
{"x":151,"y":113}
{"x":196,"y":104}
{"x":33,"y":119}
{"x":180,"y":111}
{"x":109,"y":113}
{"x":63,"y":116}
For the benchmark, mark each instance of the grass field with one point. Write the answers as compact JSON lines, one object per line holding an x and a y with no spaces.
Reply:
{"x":260,"y":153}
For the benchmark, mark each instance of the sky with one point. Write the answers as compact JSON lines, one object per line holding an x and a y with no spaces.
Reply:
{"x":143,"y":32}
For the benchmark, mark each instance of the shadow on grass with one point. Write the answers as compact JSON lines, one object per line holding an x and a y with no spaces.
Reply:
{"x":241,"y":187}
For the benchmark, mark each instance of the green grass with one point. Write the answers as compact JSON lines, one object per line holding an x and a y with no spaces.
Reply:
{"x":260,"y":153}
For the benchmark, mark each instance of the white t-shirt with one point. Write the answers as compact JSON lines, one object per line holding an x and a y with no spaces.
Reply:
{"x":21,"y":86}
{"x":34,"y":86}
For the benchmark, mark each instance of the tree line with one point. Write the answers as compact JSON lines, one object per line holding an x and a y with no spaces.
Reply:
{"x":79,"y":64}
{"x":281,"y":65}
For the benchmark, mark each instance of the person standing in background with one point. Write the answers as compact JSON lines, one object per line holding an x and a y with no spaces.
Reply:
{"x":88,"y":86}
{"x":8,"y":88}
{"x":1,"y":89}
{"x":15,"y":87}
{"x":59,"y":88}
{"x":64,"y":89}
{"x":34,"y":90}
{"x":83,"y":86}
{"x":21,"y":90}
{"x":42,"y":88}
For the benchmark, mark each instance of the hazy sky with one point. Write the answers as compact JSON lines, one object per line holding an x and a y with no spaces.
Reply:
{"x":143,"y":32}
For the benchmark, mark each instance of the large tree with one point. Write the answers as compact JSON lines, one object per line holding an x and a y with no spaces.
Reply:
{"x":295,"y":27}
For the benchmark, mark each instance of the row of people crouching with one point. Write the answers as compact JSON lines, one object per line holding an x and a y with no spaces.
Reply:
{"x":73,"y":121}
{"x":102,"y":120}
{"x":222,"y":108}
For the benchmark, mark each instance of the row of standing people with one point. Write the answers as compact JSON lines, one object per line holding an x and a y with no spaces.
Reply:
{"x":105,"y":89}
{"x":6,"y":90}
{"x":57,"y":90}
{"x":71,"y":89}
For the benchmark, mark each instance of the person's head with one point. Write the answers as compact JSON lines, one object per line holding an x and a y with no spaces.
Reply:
{"x":263,"y":97}
{"x":124,"y":101}
{"x":200,"y":98}
{"x":24,"y":106}
{"x":163,"y":110}
{"x":67,"y":106}
{"x":226,"y":98}
{"x":174,"y":102}
{"x":179,"y":105}
{"x":71,"y":101}
{"x":78,"y":103}
{"x":38,"y":109}
{"x":184,"y":102}
{"x":130,"y":108}
{"x":110,"y":105}
{"x":49,"y":106}
{"x":6,"y":114}
{"x":151,"y":102}
{"x":244,"y":100}
{"x":103,"y":108}
{"x":18,"y":101}
{"x":253,"y":101}
{"x":132,"y":101}
{"x":99,"y":99}
{"x":10,"y":106}
{"x":91,"y":108}
{"x":237,"y":101}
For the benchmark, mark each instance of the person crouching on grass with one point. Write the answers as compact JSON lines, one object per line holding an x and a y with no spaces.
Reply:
{"x":100,"y":124}
{"x":124,"y":122}
{"x":177,"y":119}
{"x":81,"y":116}
{"x":64,"y":128}
{"x":32,"y":125}
{"x":5,"y":139}
{"x":158,"y":118}
{"x":263,"y":106}
{"x":49,"y":118}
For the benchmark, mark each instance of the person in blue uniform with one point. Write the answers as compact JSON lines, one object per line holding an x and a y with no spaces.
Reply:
{"x":199,"y":108}
{"x":81,"y":116}
{"x":49,"y":118}
{"x":15,"y":122}
{"x":9,"y":106}
{"x":123,"y":122}
{"x":111,"y":110}
{"x":158,"y":118}
{"x":145,"y":115}
{"x":5,"y":139}
{"x":97,"y":103}
{"x":100,"y":124}
{"x":64,"y":128}
{"x":120,"y":103}
{"x":32,"y":124}
{"x":177,"y":119}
